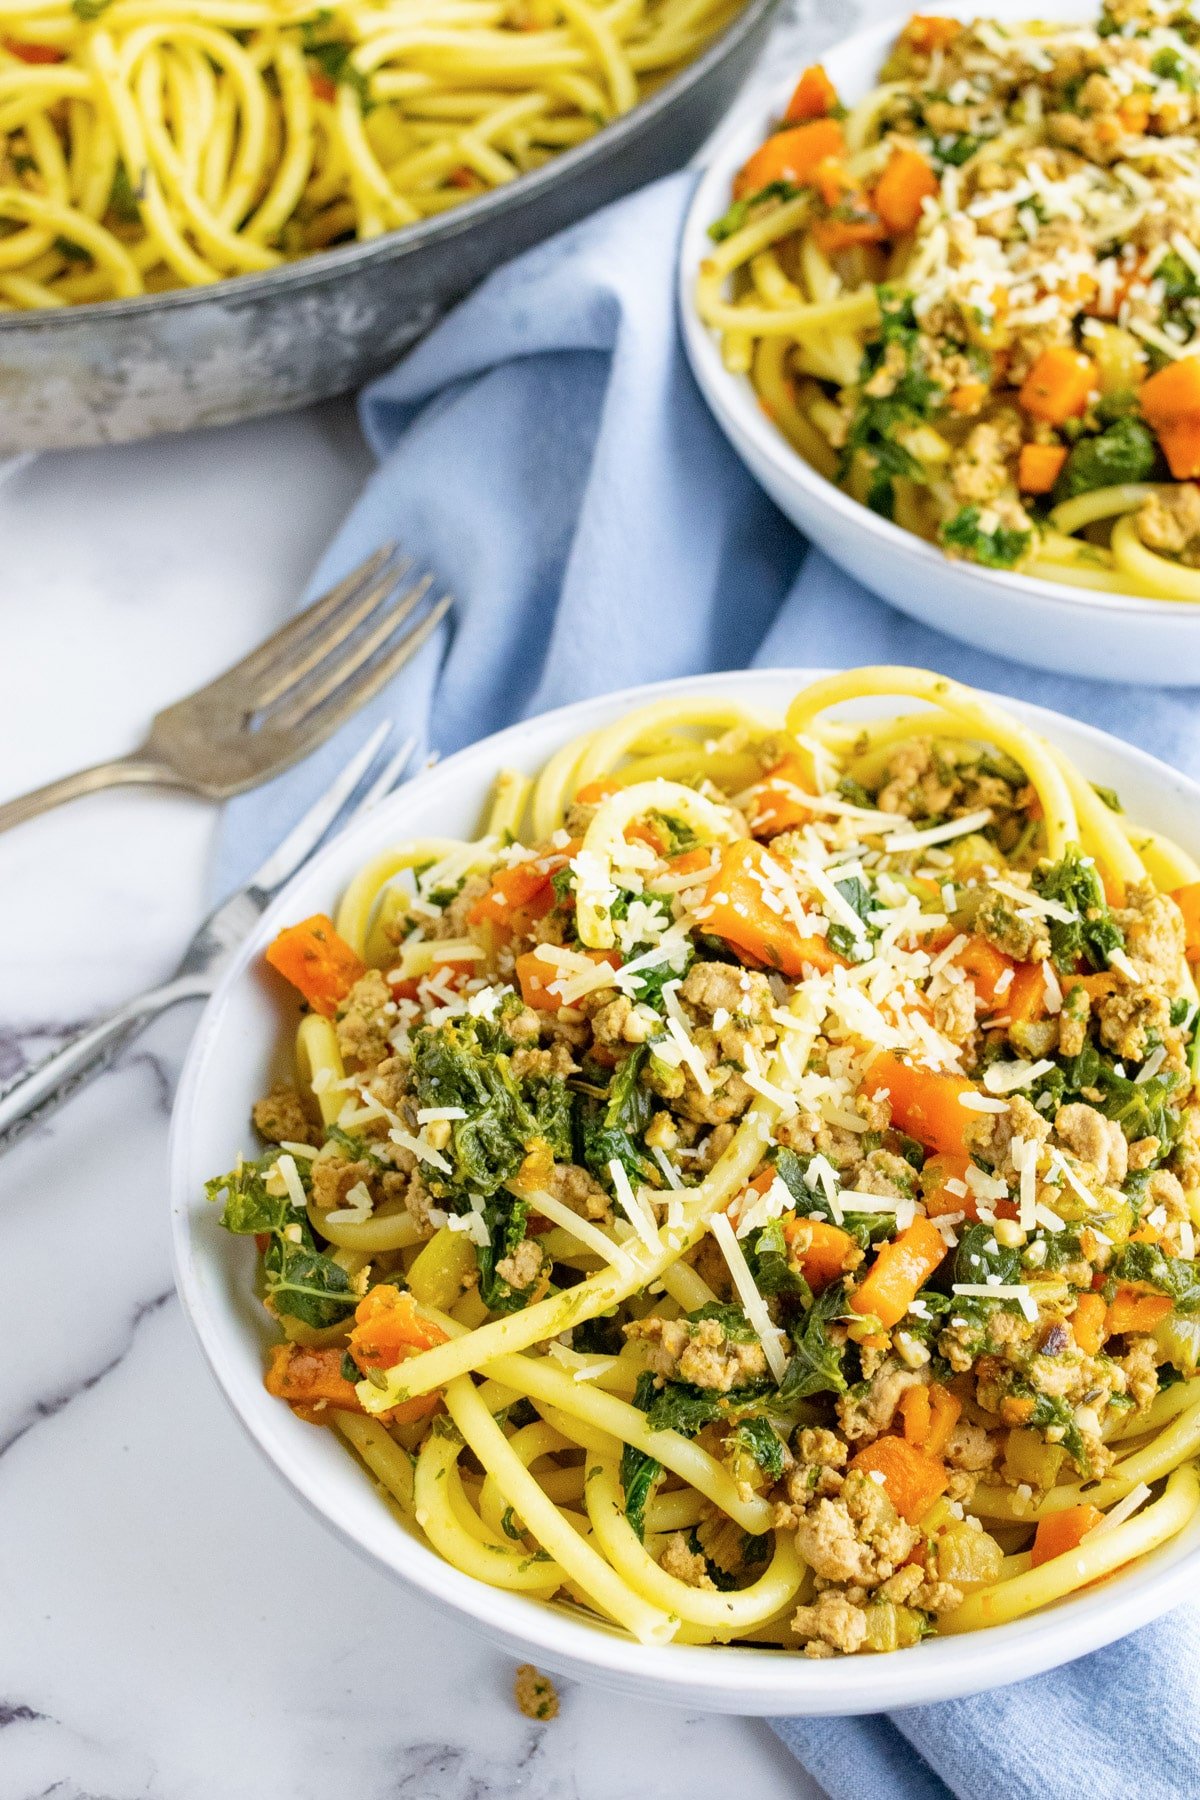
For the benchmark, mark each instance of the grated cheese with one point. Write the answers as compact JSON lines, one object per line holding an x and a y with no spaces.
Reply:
{"x":634,"y":1207}
{"x":999,"y":1290}
{"x":939,"y":834}
{"x":753,"y":1304}
{"x":582,"y":1230}
{"x":1007,"y":1077}
{"x":1124,"y":1509}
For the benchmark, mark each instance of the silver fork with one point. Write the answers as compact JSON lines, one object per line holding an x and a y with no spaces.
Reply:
{"x":278,"y":703}
{"x":37,"y":1092}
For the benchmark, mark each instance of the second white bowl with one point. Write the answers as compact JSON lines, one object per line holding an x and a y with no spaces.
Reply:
{"x":1052,"y":626}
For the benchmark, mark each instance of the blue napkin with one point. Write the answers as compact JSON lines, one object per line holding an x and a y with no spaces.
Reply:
{"x":548,"y":453}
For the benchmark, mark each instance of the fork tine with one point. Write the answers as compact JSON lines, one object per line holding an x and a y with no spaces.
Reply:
{"x":325,"y":607}
{"x":344,"y":658}
{"x":362,"y":687}
{"x":388,"y":777}
{"x":308,"y":831}
{"x":290,"y":667}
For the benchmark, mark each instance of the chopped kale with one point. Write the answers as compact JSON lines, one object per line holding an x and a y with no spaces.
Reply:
{"x":767,"y":1257}
{"x":1074,"y":882}
{"x":731,"y":1319}
{"x":249,"y":1209}
{"x":1168,"y":65}
{"x":1127,"y":451}
{"x":639,"y":1472}
{"x":860,"y":898}
{"x":461,"y":1063}
{"x":306,"y":1285}
{"x":505,"y":1220}
{"x":1148,"y":1266}
{"x":1051,"y":1412}
{"x":759,"y":1439}
{"x":816,"y":1364}
{"x":611,"y":1131}
{"x":679,"y":1406}
{"x":877,"y":419}
{"x":1000,"y":548}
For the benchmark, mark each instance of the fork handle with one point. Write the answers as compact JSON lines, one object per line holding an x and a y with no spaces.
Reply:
{"x":125,"y":771}
{"x":33,"y":1096}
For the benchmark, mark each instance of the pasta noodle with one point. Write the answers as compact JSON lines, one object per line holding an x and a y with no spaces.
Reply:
{"x":747,"y":1208}
{"x":152,"y":144}
{"x":973,"y":299}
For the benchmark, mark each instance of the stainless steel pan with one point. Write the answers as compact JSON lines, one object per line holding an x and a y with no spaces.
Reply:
{"x":263,"y":343}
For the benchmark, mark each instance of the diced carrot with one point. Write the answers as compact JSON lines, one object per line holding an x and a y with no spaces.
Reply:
{"x":907,"y":180}
{"x":826,"y":1253}
{"x":34,"y":53}
{"x":540,"y":976}
{"x":689,"y":861}
{"x":967,"y":397}
{"x":776,"y":802}
{"x":930,"y":1413}
{"x":317,"y":961}
{"x":899,"y":1272}
{"x":833,"y":235}
{"x":593,"y":792}
{"x":1134,"y":112}
{"x":814,"y":96}
{"x":1088,"y":1322}
{"x":1111,"y":882}
{"x":790,"y":155}
{"x":523,"y":893}
{"x":926,"y":1105}
{"x":1187,"y":899}
{"x":911,"y":1480}
{"x":305,"y":1377}
{"x":928,"y":31}
{"x":1145,"y":1234}
{"x":1170,"y":402}
{"x":1097,"y":986}
{"x":987,"y":968}
{"x":1025,"y":1000}
{"x":1058,"y":385}
{"x":322,"y":85}
{"x":1130,"y":1310}
{"x":1039,"y":467}
{"x":939,"y":1170}
{"x":735,"y":909}
{"x":387,"y":1326}
{"x":1061,"y":1531}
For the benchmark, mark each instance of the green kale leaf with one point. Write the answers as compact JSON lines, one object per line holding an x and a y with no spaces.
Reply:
{"x":306,"y":1285}
{"x":1074,"y":882}
{"x":1000,"y":548}
{"x":610,"y":1130}
{"x":816,"y":1364}
{"x":1149,"y":1266}
{"x":759,"y":1439}
{"x":1127,"y":451}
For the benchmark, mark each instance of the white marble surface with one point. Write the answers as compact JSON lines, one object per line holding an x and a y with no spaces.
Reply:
{"x":173,"y":1625}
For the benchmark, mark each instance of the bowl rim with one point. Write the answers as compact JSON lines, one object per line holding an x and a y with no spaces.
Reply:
{"x":758,"y":1681}
{"x":406,"y":240}
{"x":731,"y":396}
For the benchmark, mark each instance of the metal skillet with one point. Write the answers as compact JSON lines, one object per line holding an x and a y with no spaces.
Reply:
{"x":127,"y":369}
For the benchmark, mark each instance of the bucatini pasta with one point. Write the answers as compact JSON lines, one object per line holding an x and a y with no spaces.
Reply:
{"x":153,"y":144}
{"x":749,"y":1194}
{"x":973,"y":298}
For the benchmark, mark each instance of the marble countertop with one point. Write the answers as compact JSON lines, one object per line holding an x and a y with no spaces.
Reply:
{"x":174,"y":1624}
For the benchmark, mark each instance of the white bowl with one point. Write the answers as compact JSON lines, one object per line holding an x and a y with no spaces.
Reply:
{"x":1046,"y":623}
{"x":236,"y":1053}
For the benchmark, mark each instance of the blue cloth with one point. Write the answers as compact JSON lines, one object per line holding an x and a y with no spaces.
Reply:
{"x":547,"y":452}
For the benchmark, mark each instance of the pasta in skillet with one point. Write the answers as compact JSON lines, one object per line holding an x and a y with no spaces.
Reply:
{"x":972,"y":300}
{"x":153,"y":144}
{"x":750,"y":1193}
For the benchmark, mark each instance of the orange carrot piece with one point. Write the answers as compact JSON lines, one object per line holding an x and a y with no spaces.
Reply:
{"x":833,"y":235}
{"x":1170,"y":403}
{"x":522,"y":893}
{"x":1058,"y":385}
{"x":967,"y":397}
{"x":929,"y":31}
{"x":906,"y":181}
{"x":916,"y":1410}
{"x":986,"y":967}
{"x":940,"y":1170}
{"x":1131,"y":1310}
{"x":387,"y":1330}
{"x":1025,"y":1000}
{"x":946,"y":1410}
{"x":735,"y":909}
{"x":911,"y":1480}
{"x":776,"y":802}
{"x":1088,"y":1322}
{"x":826,"y":1254}
{"x":1039,"y":467}
{"x":1187,"y":899}
{"x":305,"y":1377}
{"x":593,"y":792}
{"x":539,"y":976}
{"x":34,"y":53}
{"x":1061,"y":1531}
{"x":899,"y":1272}
{"x":926,"y":1105}
{"x":317,"y":961}
{"x":790,"y":155}
{"x":814,"y":96}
